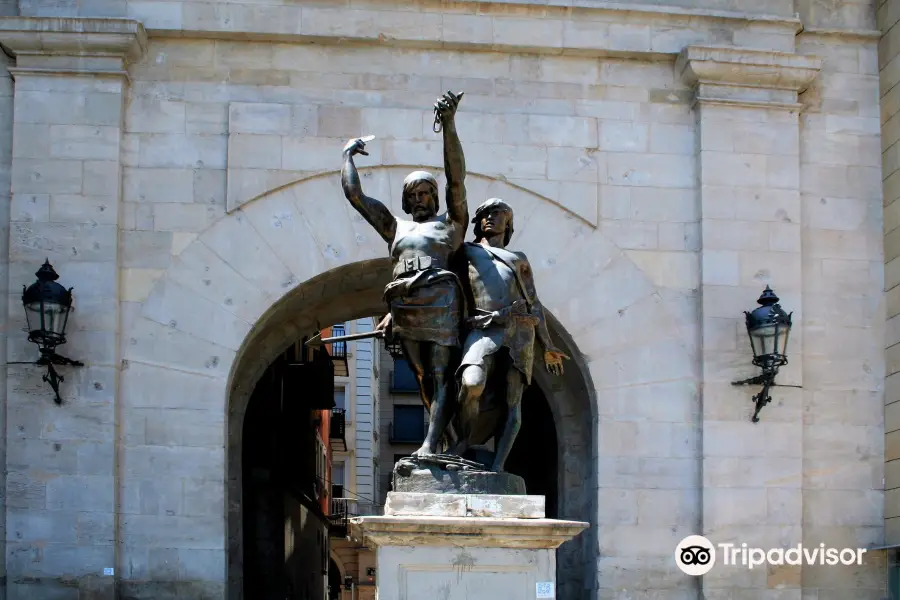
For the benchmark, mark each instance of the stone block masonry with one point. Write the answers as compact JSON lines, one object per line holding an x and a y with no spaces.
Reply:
{"x":665,"y":162}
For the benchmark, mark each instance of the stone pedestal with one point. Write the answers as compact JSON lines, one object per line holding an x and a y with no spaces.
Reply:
{"x":417,"y":476}
{"x":464,"y":546}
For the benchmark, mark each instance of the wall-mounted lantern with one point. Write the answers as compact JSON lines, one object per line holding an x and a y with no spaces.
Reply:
{"x":769,"y":328}
{"x":348,"y":583}
{"x":47,"y":306}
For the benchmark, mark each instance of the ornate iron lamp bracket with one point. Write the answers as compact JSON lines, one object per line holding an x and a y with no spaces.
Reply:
{"x":767,"y":380}
{"x":49,"y":359}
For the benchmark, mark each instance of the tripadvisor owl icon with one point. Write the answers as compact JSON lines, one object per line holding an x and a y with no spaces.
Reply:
{"x":695,"y":555}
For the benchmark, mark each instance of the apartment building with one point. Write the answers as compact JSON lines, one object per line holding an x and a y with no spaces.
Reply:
{"x":354,"y":444}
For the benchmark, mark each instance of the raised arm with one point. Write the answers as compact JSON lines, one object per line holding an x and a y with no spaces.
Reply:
{"x":373,"y":211}
{"x":454,"y":161}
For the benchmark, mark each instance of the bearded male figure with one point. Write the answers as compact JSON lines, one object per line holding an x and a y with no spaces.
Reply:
{"x":425,"y":295}
{"x":499,"y":350}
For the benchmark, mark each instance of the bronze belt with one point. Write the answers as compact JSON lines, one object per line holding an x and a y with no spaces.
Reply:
{"x":416,"y":263}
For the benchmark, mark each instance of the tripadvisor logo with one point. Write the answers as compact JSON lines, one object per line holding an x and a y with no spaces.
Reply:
{"x":695,"y":555}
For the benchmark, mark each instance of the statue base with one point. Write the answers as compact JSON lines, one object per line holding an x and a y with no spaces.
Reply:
{"x":461,"y":546}
{"x":447,"y":474}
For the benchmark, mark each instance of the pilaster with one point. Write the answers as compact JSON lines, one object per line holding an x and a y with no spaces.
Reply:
{"x":70,"y":82}
{"x":747,"y":126}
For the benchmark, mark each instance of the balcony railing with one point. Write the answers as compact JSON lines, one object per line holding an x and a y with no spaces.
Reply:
{"x":337,"y":433}
{"x":343,"y":509}
{"x":338,"y":353}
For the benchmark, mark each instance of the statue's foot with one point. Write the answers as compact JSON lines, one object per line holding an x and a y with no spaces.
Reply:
{"x":497,"y":468}
{"x":425,"y":450}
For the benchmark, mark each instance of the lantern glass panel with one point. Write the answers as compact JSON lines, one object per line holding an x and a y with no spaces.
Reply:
{"x":784,"y":332}
{"x":34,"y":316}
{"x":47,"y":321}
{"x":763,"y":340}
{"x":55,"y":317}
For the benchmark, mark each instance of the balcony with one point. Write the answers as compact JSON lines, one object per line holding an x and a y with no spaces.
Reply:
{"x":343,"y":509}
{"x":337,"y":433}
{"x":338,"y":352}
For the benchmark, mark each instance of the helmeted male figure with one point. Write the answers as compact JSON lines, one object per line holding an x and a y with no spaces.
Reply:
{"x":425,"y":296}
{"x":499,"y":347}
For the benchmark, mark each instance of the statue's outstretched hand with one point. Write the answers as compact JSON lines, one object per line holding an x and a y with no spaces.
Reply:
{"x":357,"y":146}
{"x":554,"y":361}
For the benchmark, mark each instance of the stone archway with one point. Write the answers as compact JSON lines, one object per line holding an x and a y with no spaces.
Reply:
{"x":300,"y":257}
{"x":336,"y":572}
{"x":353,"y":291}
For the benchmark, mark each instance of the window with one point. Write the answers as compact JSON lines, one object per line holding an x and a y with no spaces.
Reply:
{"x":403,"y":379}
{"x":338,"y":349}
{"x":337,"y":480}
{"x":340,"y":398}
{"x":409,"y":424}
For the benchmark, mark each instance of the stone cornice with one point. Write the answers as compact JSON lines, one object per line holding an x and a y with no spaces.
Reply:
{"x":76,"y":45}
{"x":748,"y":77}
{"x":553,"y":27}
{"x":751,"y":68}
{"x":871,"y":35}
{"x":646,"y":8}
{"x":464,"y":532}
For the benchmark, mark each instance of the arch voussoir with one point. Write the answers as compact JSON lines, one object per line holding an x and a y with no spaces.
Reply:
{"x":253,"y":258}
{"x":281,"y":223}
{"x":153,"y":343}
{"x":201,"y":270}
{"x":176,"y":306}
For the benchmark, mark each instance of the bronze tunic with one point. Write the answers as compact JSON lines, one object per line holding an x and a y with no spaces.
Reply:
{"x":424,"y":297}
{"x":494,"y":288}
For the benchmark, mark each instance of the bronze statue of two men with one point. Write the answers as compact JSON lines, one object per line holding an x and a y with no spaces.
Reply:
{"x":466,"y":313}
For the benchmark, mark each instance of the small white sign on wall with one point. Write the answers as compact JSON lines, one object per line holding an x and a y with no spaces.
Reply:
{"x":545,"y":589}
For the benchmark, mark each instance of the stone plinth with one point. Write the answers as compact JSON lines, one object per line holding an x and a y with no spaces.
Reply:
{"x":464,"y":546}
{"x":431,"y":479}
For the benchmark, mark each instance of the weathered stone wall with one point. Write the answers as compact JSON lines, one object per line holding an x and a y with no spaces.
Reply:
{"x":6,"y":118}
{"x":62,"y":493}
{"x":656,"y":197}
{"x":889,"y":70}
{"x":843,"y":310}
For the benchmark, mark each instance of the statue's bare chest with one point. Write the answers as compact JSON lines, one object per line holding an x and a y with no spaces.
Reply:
{"x":493,"y":281}
{"x":434,"y":238}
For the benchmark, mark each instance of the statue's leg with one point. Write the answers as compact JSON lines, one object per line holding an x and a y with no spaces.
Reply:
{"x":515,"y":386}
{"x":415,"y":353}
{"x":441,"y":408}
{"x":472,"y":383}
